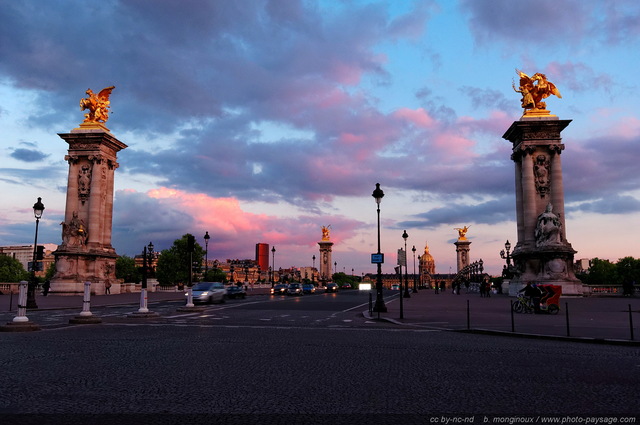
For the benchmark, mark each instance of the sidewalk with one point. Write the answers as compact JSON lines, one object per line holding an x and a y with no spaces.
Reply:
{"x":592,"y":319}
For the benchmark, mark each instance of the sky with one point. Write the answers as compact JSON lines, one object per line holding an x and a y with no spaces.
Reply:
{"x":262,"y":121}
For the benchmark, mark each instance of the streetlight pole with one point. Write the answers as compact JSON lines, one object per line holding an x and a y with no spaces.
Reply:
{"x":415,"y":290}
{"x":405,"y":236}
{"x":335,"y":267}
{"x":147,"y":252}
{"x":38,"y":209}
{"x":379,"y":305}
{"x":313,"y":277}
{"x":273,"y":265}
{"x":206,"y":254}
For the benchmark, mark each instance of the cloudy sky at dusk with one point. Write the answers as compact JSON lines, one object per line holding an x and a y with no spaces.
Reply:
{"x":262,"y":121}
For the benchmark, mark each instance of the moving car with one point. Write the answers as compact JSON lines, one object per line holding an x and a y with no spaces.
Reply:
{"x":346,"y":286}
{"x":235,"y":291}
{"x":208,"y":292}
{"x":295,"y":289}
{"x":279,"y":289}
{"x":331,"y":287}
{"x":308,"y":288}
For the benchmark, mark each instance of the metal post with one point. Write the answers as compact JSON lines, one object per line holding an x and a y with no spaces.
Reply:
{"x":401,"y":304}
{"x":513,"y":325}
{"x":566,"y":305}
{"x":630,"y":322}
{"x":143,"y":291}
{"x":379,"y":306}
{"x":468,"y":316}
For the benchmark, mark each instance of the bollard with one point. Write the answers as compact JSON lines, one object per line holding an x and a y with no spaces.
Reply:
{"x":468,"y":317}
{"x":370,"y":303}
{"x":22,"y":303}
{"x":513,"y":323}
{"x":86,"y":317}
{"x":630,"y":322}
{"x":190,"y":297}
{"x":143,"y":301}
{"x":21,"y":322}
{"x":86,"y":301}
{"x":566,"y":306}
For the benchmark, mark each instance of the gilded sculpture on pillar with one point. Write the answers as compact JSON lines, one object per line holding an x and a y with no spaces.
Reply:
{"x":534,"y":90}
{"x":462,"y":232}
{"x":325,"y":233}
{"x":98,"y":106}
{"x":74,"y":233}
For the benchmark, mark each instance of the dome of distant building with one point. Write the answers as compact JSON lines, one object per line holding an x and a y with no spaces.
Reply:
{"x":427,"y":263}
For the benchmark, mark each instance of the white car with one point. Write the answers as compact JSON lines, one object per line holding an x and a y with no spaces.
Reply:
{"x":208,"y":292}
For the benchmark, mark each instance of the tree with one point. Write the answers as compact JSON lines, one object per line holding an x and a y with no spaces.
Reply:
{"x":628,"y":270}
{"x":126,"y":269}
{"x":215,"y":275}
{"x":51,"y":271}
{"x":174,"y":263}
{"x":11,"y":270}
{"x":602,"y":272}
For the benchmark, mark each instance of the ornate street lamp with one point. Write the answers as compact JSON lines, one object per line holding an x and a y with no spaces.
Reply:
{"x":379,"y":305}
{"x":273,"y":264}
{"x":415,"y":289}
{"x":405,"y":236}
{"x":38,"y":209}
{"x":507,"y":247}
{"x":206,"y":254}
{"x":313,"y":275}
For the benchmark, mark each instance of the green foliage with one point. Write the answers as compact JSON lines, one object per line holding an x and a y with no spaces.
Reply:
{"x":342,"y":278}
{"x":215,"y":275}
{"x":51,"y":271}
{"x":604,"y":272}
{"x":174,"y":263}
{"x":126,"y":269}
{"x":11,"y":270}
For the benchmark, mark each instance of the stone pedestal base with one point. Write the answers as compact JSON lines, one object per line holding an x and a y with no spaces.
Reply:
{"x":190,"y":309}
{"x":138,"y":315}
{"x":20,"y":327}
{"x":550,"y":265}
{"x":85,"y":320}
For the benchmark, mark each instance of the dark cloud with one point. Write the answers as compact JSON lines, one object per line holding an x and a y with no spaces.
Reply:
{"x":453,"y":213}
{"x":28,"y":155}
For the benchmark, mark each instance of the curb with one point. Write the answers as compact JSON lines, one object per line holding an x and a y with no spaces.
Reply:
{"x":590,"y":340}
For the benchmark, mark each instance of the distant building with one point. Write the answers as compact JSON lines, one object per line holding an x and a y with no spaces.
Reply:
{"x":262,"y":256}
{"x":427,"y":267}
{"x":24,"y":254}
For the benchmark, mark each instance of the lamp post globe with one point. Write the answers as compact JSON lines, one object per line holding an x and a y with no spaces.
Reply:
{"x":379,"y":306}
{"x":38,"y":210}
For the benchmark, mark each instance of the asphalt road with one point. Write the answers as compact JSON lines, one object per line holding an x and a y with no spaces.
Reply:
{"x":313,"y":359}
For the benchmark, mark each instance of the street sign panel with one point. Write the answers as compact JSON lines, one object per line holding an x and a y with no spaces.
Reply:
{"x":377,"y":258}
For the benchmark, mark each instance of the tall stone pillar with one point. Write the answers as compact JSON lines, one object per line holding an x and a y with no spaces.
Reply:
{"x":325,"y":261}
{"x":542,"y":254}
{"x":86,"y":253}
{"x":462,"y":253}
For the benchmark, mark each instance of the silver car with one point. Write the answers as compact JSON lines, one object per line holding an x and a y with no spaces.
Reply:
{"x":295,"y":289}
{"x":208,"y":292}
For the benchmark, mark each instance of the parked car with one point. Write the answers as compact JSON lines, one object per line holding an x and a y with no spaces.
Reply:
{"x":346,"y":286}
{"x":331,"y":287}
{"x":235,"y":291}
{"x":308,"y":288}
{"x":279,"y":289}
{"x":208,"y":292}
{"x":295,"y":289}
{"x":395,"y":287}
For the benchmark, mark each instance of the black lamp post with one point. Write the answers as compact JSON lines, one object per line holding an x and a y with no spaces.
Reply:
{"x":405,"y":236}
{"x":273,"y":264}
{"x":206,"y":254}
{"x":379,"y":305}
{"x":147,"y":253}
{"x":335,"y":267}
{"x":313,"y":274}
{"x":415,"y":289}
{"x":38,"y":209}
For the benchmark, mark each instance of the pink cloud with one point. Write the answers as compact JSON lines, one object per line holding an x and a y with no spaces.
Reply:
{"x":418,"y":117}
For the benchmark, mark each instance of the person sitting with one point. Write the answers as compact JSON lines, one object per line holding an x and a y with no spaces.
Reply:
{"x":532,"y":291}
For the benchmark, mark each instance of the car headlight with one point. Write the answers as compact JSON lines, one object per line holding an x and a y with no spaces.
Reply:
{"x":205,"y":293}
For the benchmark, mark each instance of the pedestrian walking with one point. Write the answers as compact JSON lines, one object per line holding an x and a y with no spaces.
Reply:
{"x":436,"y":287}
{"x":107,"y":288}
{"x":442,"y":286}
{"x":46,"y":287}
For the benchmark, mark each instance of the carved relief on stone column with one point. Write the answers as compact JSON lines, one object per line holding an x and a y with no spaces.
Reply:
{"x":71,"y":159}
{"x":541,"y":172}
{"x":84,"y":183}
{"x":74,"y":233}
{"x":556,"y":148}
